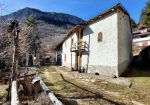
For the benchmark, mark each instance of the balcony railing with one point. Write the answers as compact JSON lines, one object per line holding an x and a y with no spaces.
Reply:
{"x":79,"y":46}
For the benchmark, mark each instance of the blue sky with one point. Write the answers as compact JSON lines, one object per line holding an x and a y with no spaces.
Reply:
{"x":84,"y":9}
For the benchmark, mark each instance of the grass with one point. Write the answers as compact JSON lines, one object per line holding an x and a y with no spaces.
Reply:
{"x":53,"y":80}
{"x":66,"y":88}
{"x":63,"y":89}
{"x":42,"y":70}
{"x":3,"y":93}
{"x":46,"y":68}
{"x":139,"y":90}
{"x":140,"y":77}
{"x":141,"y":82}
{"x":56,"y":83}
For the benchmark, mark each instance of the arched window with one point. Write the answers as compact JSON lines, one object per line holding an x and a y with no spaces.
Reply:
{"x":100,"y":36}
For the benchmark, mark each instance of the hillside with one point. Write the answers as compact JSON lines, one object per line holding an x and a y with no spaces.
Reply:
{"x":53,"y":26}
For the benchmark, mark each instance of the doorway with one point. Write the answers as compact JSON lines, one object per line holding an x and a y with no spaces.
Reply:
{"x":78,"y":53}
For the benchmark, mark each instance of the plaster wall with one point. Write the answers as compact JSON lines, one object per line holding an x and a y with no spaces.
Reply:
{"x":68,"y":57}
{"x":102,"y":57}
{"x":124,"y":42}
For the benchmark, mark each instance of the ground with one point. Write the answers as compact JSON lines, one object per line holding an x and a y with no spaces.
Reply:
{"x":3,"y":93}
{"x":72,"y":91}
{"x":76,"y":91}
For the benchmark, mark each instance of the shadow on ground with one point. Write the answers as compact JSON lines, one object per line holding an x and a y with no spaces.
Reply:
{"x":95,"y":96}
{"x":140,"y":65}
{"x":135,"y":70}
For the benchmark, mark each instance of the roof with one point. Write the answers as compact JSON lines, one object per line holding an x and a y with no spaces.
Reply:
{"x":138,"y":33}
{"x":111,"y":10}
{"x":141,"y":34}
{"x":141,"y":26}
{"x":107,"y":12}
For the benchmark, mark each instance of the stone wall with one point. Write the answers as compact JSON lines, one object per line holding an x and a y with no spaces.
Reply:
{"x":124,"y":42}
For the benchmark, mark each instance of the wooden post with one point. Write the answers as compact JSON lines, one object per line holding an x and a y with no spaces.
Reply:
{"x":76,"y":53}
{"x":76,"y":61}
{"x":80,"y":46}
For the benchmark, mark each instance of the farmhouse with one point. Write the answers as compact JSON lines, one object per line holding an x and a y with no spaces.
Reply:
{"x":102,"y":45}
{"x":141,"y":39}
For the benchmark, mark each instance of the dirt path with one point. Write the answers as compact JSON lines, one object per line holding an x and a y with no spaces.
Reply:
{"x":72,"y":91}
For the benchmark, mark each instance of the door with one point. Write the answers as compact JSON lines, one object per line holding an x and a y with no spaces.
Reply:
{"x":78,"y":53}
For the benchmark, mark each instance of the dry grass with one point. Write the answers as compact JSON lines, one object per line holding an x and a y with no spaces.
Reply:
{"x":139,"y":91}
{"x":46,"y":68}
{"x":140,"y":78}
{"x":3,"y":93}
{"x":70,"y":92}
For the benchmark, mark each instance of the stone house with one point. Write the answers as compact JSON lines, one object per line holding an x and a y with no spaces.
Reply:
{"x":102,"y":45}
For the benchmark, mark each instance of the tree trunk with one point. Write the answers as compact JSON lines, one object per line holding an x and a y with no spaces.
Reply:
{"x":13,"y":63}
{"x":15,"y":55}
{"x":27,"y":59}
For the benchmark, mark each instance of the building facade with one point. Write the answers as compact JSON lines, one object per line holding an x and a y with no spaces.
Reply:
{"x":101,"y":45}
{"x":141,"y":39}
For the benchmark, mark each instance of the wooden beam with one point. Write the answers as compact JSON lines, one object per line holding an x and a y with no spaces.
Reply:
{"x":27,"y":75}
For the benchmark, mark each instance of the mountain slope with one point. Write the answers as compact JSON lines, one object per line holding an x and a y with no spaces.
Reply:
{"x":53,"y":26}
{"x":45,"y":16}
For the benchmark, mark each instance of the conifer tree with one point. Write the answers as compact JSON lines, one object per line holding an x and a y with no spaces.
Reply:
{"x":145,"y":15}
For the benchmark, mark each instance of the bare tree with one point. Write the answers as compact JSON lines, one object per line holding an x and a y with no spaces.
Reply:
{"x":33,"y":38}
{"x":13,"y":30}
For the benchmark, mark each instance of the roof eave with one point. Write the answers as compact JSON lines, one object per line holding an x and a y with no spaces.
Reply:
{"x":111,"y":10}
{"x":81,"y":26}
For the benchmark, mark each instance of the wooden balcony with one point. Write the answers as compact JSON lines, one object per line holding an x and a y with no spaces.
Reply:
{"x":79,"y":46}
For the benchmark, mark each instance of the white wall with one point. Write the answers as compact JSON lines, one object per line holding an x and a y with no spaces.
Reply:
{"x":103,"y":56}
{"x":113,"y":54}
{"x":70,"y":56}
{"x":135,"y":40}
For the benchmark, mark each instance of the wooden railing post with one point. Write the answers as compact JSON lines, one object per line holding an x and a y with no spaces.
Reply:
{"x":80,"y":45}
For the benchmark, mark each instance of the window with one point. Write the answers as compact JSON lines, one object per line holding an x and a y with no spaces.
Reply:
{"x":72,"y":41}
{"x":65,"y":58}
{"x":100,"y":35}
{"x":65,"y":44}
